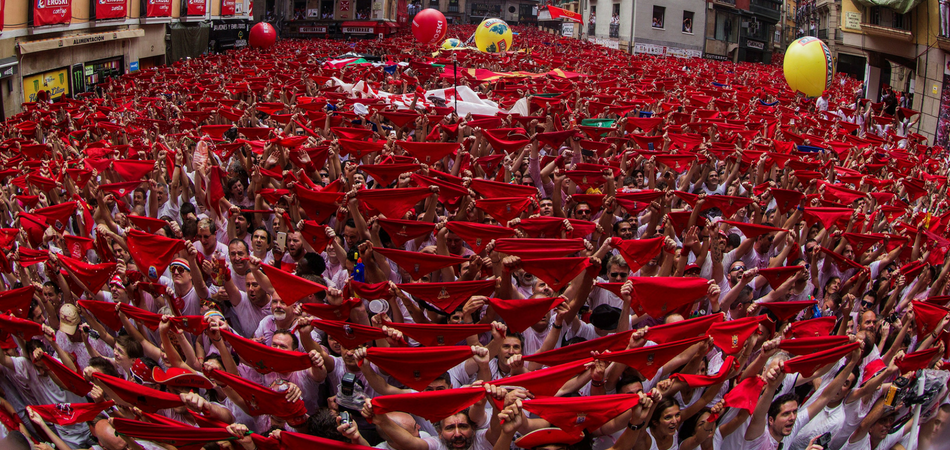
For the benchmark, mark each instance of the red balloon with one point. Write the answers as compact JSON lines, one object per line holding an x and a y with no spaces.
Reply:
{"x":429,"y":26}
{"x":263,"y":35}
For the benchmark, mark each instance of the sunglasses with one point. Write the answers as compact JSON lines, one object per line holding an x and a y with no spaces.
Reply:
{"x":618,"y":275}
{"x":177,"y":269}
{"x":737,"y":269}
{"x":585,"y":211}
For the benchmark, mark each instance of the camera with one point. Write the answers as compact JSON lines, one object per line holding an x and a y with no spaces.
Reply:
{"x":350,"y":393}
{"x":899,"y":389}
{"x":345,"y":418}
{"x":823,"y":440}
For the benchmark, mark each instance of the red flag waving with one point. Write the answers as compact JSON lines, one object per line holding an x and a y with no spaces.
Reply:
{"x":560,"y":13}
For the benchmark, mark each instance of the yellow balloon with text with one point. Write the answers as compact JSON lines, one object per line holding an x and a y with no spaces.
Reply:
{"x":493,"y":36}
{"x":809,"y":67}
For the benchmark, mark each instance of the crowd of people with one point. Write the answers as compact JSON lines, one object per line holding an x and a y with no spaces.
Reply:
{"x":257,"y":250}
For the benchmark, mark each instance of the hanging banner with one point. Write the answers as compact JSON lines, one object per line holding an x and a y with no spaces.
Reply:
{"x":110,"y":9}
{"x":227,"y":7}
{"x":195,"y":7}
{"x":158,"y":8}
{"x":51,"y":12}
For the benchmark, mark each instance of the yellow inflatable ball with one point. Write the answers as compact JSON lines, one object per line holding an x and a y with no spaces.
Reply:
{"x":493,"y":36}
{"x":451,"y":43}
{"x":809,"y":67}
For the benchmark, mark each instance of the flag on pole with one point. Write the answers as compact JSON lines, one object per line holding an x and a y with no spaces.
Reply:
{"x":558,"y":13}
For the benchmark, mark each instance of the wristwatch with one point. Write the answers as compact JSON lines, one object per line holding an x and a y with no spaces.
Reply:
{"x":634,"y":427}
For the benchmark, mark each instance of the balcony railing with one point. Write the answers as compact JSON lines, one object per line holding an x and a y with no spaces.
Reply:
{"x":882,"y":21}
{"x":823,"y":34}
{"x":453,"y":8}
{"x":615,"y":30}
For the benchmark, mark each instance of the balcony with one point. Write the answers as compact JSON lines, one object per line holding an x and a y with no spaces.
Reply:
{"x":591,"y":29}
{"x":767,"y":8}
{"x":823,"y":34}
{"x":879,"y":21}
{"x":726,"y":3}
{"x":615,"y":30}
{"x":453,"y":8}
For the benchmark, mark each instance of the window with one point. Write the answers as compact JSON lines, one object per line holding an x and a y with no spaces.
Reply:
{"x":659,"y":16}
{"x":726,"y":27}
{"x":688,"y":22}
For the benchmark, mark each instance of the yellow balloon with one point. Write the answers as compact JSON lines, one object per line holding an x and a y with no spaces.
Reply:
{"x":451,"y":43}
{"x":493,"y":36}
{"x":809,"y":67}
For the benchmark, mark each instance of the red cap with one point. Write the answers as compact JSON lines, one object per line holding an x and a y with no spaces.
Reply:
{"x":448,"y":296}
{"x":392,"y":203}
{"x":523,"y":313}
{"x":261,"y":399}
{"x":432,"y":405}
{"x":648,"y":360}
{"x":289,"y":287}
{"x":419,"y":264}
{"x":807,"y":365}
{"x":419,"y":366}
{"x":266,"y":359}
{"x":431,"y":335}
{"x":71,"y":413}
{"x":745,"y":395}
{"x":402,"y":231}
{"x":549,"y":436}
{"x":152,"y":254}
{"x":147,"y":399}
{"x":809,"y":345}
{"x":538,"y":248}
{"x":577,"y":413}
{"x":872,"y":369}
{"x":477,"y":235}
{"x":179,"y":377}
{"x":819,"y":327}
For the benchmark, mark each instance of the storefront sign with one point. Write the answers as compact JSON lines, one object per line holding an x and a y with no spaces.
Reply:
{"x":755,"y":44}
{"x":80,"y":39}
{"x":54,"y":81}
{"x":228,"y":34}
{"x":567,"y":29}
{"x":313,"y":30}
{"x":359,"y":30}
{"x":715,"y":57}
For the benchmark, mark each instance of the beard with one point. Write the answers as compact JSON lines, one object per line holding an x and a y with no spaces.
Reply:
{"x":280,"y":315}
{"x":459,"y":442}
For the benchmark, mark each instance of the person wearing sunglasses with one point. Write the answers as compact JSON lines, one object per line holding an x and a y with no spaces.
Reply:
{"x":617,"y":272}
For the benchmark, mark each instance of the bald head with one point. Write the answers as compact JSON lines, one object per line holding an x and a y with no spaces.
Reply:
{"x":106,"y":435}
